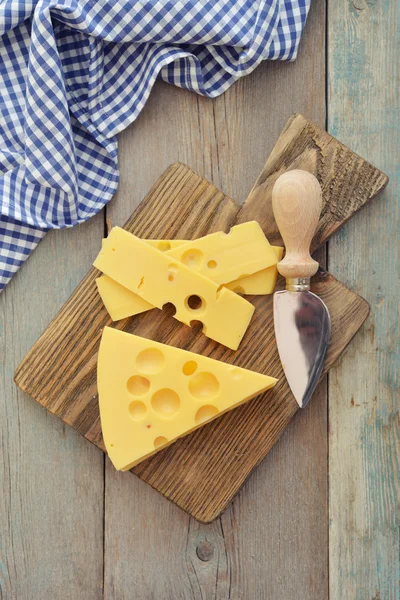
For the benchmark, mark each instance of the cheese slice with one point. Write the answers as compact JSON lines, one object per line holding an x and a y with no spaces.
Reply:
{"x":118,"y":300}
{"x":245,"y":247}
{"x":224,"y":257}
{"x":260,"y":283}
{"x":121,"y":303}
{"x":150,"y":394}
{"x":160,"y":279}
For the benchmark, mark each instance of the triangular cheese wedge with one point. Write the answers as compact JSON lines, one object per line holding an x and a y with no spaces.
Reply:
{"x":151,"y":394}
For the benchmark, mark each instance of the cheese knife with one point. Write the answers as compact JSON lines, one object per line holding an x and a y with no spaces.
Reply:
{"x":301,"y":319}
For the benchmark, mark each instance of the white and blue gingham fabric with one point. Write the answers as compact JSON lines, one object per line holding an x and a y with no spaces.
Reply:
{"x":74,"y":73}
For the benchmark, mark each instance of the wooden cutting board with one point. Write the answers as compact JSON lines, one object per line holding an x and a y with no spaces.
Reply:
{"x":202,"y":472}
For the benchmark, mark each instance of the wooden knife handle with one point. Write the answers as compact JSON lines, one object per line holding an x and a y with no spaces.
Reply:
{"x":297,"y":204}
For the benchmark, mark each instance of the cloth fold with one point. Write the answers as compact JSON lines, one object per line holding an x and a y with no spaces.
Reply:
{"x":75,"y":73}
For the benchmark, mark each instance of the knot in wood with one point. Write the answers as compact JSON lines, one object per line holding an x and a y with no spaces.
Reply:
{"x":205,"y":551}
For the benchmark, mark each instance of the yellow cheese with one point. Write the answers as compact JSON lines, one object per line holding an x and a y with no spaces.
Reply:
{"x":224,"y":257}
{"x":260,"y":283}
{"x":121,"y":303}
{"x":160,"y":279}
{"x":118,"y":300}
{"x":162,"y":245}
{"x":219,"y":256}
{"x":256,"y":284}
{"x":150,"y":394}
{"x":165,"y":245}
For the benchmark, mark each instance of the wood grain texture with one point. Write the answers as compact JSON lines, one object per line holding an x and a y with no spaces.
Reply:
{"x":364,"y":440}
{"x":347,"y":180}
{"x":223,"y":453}
{"x":51,"y":491}
{"x":267,"y":530}
{"x":297,"y":204}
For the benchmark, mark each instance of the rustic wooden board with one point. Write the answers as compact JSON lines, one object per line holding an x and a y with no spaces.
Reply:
{"x":364,"y":439}
{"x":182,"y":204}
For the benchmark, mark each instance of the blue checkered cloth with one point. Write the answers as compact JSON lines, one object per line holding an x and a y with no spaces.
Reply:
{"x":74,"y":73}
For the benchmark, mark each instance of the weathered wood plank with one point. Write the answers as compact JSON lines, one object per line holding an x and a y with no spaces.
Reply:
{"x":51,"y":492}
{"x":263,"y":546}
{"x":364,"y":441}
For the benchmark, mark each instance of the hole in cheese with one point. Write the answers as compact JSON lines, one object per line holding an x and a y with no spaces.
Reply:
{"x":164,"y":246}
{"x":194,"y":302}
{"x":150,"y":361}
{"x":205,"y":413}
{"x":238,"y":290}
{"x":204,"y":386}
{"x":211,"y":264}
{"x":138,"y":386}
{"x":137,"y":410}
{"x":170,"y":309}
{"x":165,"y":402}
{"x":192,"y":258}
{"x":197,"y":327}
{"x":236,"y":373}
{"x":189,"y":367}
{"x":160,"y":441}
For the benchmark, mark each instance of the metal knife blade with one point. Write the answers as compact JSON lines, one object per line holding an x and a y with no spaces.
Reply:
{"x":302,"y":329}
{"x":301,"y":319}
